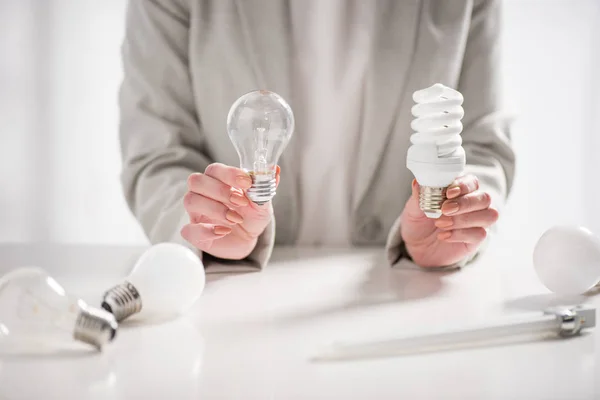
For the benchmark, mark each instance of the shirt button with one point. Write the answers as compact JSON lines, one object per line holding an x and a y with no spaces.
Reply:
{"x":371,"y":229}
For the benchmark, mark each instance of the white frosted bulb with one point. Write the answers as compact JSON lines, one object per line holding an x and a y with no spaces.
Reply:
{"x":567,"y":260}
{"x":436,"y":156}
{"x":165,"y":282}
{"x":260,"y":124}
{"x":37,"y":313}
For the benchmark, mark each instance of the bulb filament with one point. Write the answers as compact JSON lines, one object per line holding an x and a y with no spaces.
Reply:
{"x":261,"y":130}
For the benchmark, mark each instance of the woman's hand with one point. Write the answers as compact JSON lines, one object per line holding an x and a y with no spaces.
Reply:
{"x":457,"y":233}
{"x":223,"y":221}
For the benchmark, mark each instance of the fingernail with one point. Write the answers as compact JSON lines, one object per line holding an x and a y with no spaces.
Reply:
{"x":184,"y":231}
{"x":444,"y":235}
{"x":444,"y":223}
{"x":453,"y":192}
{"x":450,"y":207}
{"x":244,"y":182}
{"x":234,"y":217}
{"x":238,"y":200}
{"x":221,"y":230}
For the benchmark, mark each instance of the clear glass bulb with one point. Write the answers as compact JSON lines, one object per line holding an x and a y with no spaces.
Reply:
{"x":36,"y":313}
{"x":165,"y":282}
{"x":260,"y":124}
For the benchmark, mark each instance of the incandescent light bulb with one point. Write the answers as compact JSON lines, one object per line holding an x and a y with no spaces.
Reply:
{"x":36,"y":312}
{"x":165,"y":281}
{"x":436,"y":156}
{"x":260,"y":125}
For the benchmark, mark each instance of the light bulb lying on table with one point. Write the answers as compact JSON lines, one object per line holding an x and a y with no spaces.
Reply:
{"x":260,"y":124}
{"x":567,"y":260}
{"x":36,"y":312}
{"x":165,"y":282}
{"x":563,"y":322}
{"x":436,"y":157}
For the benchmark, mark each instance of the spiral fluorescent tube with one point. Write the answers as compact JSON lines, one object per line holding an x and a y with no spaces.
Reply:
{"x":436,"y":157}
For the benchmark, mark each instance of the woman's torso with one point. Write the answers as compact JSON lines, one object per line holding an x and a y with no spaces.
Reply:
{"x":348,"y":69}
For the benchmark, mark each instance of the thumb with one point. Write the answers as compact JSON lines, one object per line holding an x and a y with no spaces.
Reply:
{"x":415,"y":189}
{"x":412,"y":205}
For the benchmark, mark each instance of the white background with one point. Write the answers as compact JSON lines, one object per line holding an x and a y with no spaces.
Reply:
{"x":59,"y":151}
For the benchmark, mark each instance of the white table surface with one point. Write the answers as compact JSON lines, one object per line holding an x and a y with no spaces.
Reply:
{"x":253,"y":336}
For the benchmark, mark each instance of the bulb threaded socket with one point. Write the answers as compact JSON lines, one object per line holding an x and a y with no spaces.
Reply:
{"x":122,"y":301}
{"x":95,"y":327}
{"x":263,"y":188}
{"x":431,"y":199}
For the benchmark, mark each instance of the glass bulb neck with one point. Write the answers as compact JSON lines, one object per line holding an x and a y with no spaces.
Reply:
{"x":122,"y":301}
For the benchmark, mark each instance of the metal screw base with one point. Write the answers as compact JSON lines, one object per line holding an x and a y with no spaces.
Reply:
{"x":573,"y":320}
{"x":431,"y":200}
{"x":122,"y":301}
{"x":95,"y":327}
{"x":263,"y":189}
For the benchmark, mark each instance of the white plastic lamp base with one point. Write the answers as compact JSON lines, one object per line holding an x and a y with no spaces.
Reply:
{"x":567,"y":260}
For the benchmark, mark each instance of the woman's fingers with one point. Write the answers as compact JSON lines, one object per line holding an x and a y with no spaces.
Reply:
{"x":197,"y":205}
{"x":230,"y":176}
{"x":201,"y":235}
{"x":244,"y":232}
{"x":223,"y":183}
{"x":218,"y":206}
{"x":248,"y":230}
{"x":468,"y":203}
{"x":255,"y":218}
{"x":467,"y":235}
{"x":482,"y":218}
{"x":213,"y":188}
{"x":462,"y":185}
